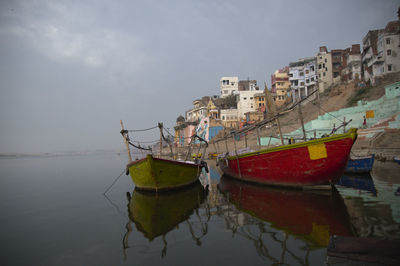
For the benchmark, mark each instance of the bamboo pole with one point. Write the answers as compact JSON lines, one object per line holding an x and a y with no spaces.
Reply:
{"x":280,"y":130}
{"x":302,"y":122}
{"x":258,"y":137}
{"x":344,"y":124}
{"x":160,"y":126}
{"x":237,"y":155}
{"x":126,"y":141}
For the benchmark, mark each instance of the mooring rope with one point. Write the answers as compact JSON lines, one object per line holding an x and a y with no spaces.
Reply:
{"x":114,"y":182}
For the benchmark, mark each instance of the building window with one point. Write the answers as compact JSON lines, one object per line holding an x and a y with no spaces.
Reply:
{"x":244,"y":98}
{"x":389,"y":52}
{"x":223,"y":117}
{"x":388,"y":41}
{"x":307,"y":81}
{"x":251,"y":98}
{"x":301,"y":74}
{"x":307,"y":71}
{"x":324,"y":74}
{"x":326,"y":60}
{"x":301,"y":83}
{"x":389,"y":67}
{"x":312,"y":68}
{"x":312,"y":79}
{"x":319,"y":66}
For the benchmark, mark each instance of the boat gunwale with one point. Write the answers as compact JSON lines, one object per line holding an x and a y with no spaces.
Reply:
{"x":164,"y":160}
{"x":352,"y":133}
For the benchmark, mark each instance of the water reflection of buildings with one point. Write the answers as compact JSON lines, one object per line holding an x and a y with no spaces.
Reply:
{"x":375,"y":213}
{"x":275,"y":217}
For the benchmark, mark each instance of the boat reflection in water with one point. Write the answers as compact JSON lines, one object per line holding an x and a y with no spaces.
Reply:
{"x":309,"y":216}
{"x":155,"y":214}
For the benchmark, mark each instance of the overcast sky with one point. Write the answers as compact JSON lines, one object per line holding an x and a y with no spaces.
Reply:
{"x":70,"y":70}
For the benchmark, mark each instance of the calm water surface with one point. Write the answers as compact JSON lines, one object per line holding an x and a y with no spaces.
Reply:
{"x":53,"y":212}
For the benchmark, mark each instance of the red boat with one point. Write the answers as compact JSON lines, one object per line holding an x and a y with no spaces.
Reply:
{"x":310,"y":163}
{"x":307,"y":215}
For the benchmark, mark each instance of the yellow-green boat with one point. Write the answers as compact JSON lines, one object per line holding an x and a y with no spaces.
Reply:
{"x":156,"y":214}
{"x":151,"y":173}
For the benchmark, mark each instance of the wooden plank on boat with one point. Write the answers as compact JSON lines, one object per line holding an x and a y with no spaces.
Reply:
{"x":372,"y":250}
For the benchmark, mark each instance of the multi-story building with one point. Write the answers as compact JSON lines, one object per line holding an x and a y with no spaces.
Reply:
{"x":324,"y":69}
{"x":338,"y":63}
{"x":388,"y":49}
{"x":369,"y":55}
{"x":340,"y":60}
{"x":229,"y":118}
{"x":199,"y":110}
{"x":259,"y":101}
{"x":280,"y":86}
{"x":381,"y":51}
{"x":229,"y":86}
{"x":302,"y":77}
{"x":352,"y":71}
{"x":246,"y":103}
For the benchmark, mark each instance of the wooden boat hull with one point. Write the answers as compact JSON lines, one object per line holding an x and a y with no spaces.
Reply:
{"x":157,"y":174}
{"x":360,"y":165}
{"x":311,"y":163}
{"x":311,"y":216}
{"x":156,"y":214}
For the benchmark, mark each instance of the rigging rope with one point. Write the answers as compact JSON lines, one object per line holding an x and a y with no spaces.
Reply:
{"x":326,"y":111}
{"x":139,"y":130}
{"x":175,"y":138}
{"x":139,"y":147}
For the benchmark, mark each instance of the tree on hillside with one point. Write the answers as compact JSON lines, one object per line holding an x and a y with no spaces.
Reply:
{"x":230,"y":101}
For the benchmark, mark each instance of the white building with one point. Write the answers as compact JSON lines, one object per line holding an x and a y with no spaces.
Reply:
{"x":229,"y":117}
{"x":246,"y":103}
{"x":302,"y":77}
{"x":381,"y":52}
{"x":198,"y":112}
{"x":229,"y":85}
{"x":388,"y":48}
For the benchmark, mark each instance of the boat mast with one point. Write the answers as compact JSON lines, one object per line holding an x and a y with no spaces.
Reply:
{"x":126,"y":141}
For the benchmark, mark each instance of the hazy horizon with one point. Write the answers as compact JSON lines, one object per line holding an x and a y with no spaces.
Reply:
{"x":70,"y":70}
